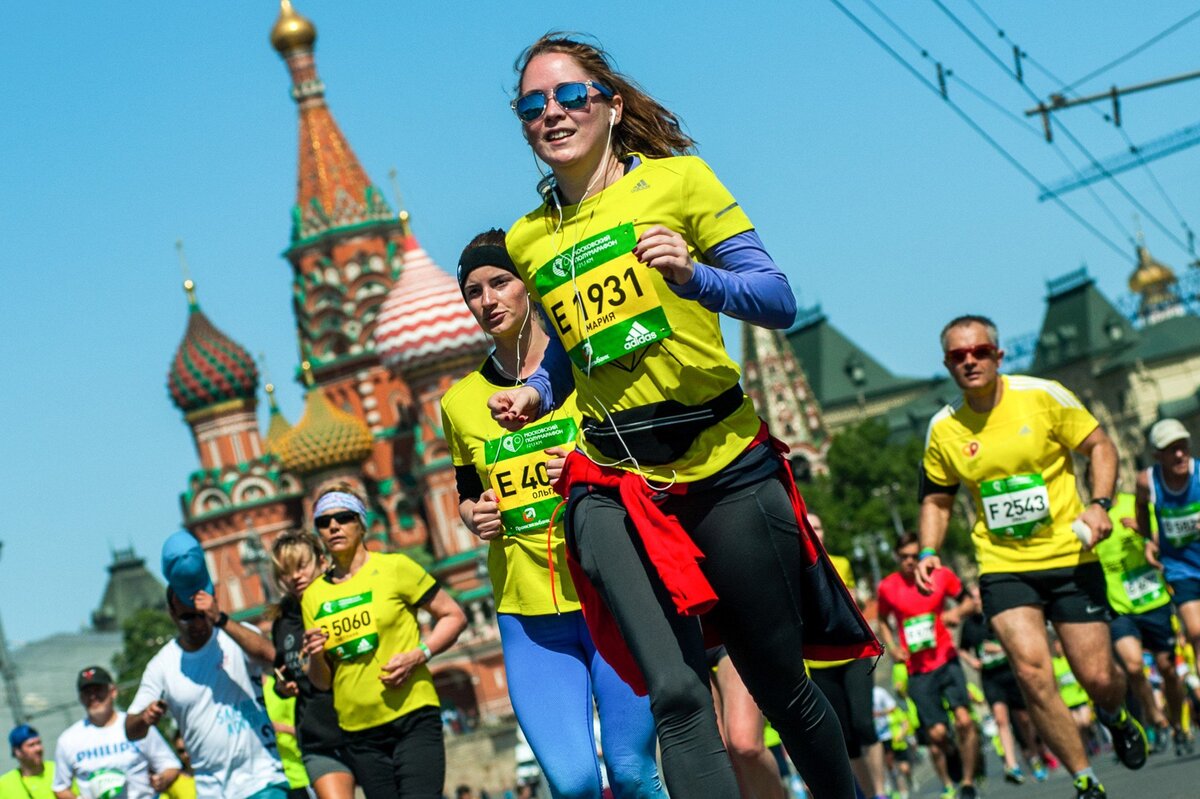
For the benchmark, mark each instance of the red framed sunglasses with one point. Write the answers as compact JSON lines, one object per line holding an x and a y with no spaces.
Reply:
{"x":979,"y":352}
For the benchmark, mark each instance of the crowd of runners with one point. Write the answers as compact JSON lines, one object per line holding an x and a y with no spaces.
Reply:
{"x":652,"y":560}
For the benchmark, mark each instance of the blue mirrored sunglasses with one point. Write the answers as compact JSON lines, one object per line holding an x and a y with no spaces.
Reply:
{"x":569,"y":96}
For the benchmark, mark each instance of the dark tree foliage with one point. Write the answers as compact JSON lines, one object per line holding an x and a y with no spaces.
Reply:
{"x":869,"y":474}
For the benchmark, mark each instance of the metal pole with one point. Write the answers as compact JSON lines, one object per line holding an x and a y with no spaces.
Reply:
{"x":1058,"y":102}
{"x":8,"y":670}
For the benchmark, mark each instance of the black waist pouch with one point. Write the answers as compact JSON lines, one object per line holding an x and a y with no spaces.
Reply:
{"x":658,"y":434}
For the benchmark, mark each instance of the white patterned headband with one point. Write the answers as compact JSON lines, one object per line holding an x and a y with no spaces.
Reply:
{"x":340,"y":499}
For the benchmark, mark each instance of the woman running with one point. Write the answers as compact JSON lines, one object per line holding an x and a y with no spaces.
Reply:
{"x":297,"y":560}
{"x":362,"y":638}
{"x":676,"y":495}
{"x":554,"y":672}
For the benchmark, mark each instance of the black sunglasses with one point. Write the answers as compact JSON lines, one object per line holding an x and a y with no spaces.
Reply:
{"x":187,"y":617}
{"x":342,"y":517}
{"x":569,"y":96}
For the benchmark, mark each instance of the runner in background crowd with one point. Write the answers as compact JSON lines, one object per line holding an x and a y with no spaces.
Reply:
{"x":34,"y":775}
{"x":95,"y":754}
{"x":1009,"y":441}
{"x":847,"y":685}
{"x":1172,"y":486}
{"x":981,"y":650}
{"x":1138,"y":595}
{"x":363,"y":640}
{"x":924,"y":645}
{"x":506,"y":499}
{"x":297,"y":560}
{"x":673,"y":456}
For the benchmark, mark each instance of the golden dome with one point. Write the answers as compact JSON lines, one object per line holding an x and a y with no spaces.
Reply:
{"x":291,"y":31}
{"x":326,"y":436}
{"x":1150,"y":274}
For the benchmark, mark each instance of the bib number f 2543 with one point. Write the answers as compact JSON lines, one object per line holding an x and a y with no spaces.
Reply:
{"x":601,"y":300}
{"x":517,"y":473}
{"x":1181,"y":526}
{"x":1015,"y":507}
{"x":350,"y":626}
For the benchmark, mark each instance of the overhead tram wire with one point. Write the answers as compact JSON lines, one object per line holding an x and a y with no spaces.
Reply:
{"x":1066,"y":131}
{"x":1153,"y":40}
{"x":1024,"y":56}
{"x":975,"y":126}
{"x":952,"y":75}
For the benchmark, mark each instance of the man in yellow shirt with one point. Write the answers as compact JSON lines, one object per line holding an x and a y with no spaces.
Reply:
{"x":32,"y":777}
{"x":1010,"y":441}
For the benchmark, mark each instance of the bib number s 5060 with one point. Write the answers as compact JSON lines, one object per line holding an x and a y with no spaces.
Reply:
{"x":350,"y":626}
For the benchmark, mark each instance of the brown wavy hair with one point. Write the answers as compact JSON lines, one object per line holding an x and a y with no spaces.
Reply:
{"x":646,"y":126}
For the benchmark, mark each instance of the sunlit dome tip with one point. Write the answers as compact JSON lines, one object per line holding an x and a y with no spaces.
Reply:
{"x":292,"y":31}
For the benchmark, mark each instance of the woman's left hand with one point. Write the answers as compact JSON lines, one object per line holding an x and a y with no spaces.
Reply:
{"x":400,"y":667}
{"x":665,"y":250}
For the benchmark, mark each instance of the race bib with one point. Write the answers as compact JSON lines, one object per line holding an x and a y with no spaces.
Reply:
{"x":350,"y":626}
{"x":919,"y":633}
{"x":988,"y":659}
{"x":517,"y":473}
{"x":1181,"y":526}
{"x":1015,"y":507}
{"x":1144,"y":586}
{"x":606,"y":306}
{"x":105,"y":783}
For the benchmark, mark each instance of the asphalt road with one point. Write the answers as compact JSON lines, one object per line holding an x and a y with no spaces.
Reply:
{"x":1163,"y":777}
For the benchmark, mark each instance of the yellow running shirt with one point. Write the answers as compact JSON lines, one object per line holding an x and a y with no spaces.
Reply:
{"x":518,"y":564}
{"x":378,"y":609}
{"x":1016,"y":462}
{"x":690,"y":366}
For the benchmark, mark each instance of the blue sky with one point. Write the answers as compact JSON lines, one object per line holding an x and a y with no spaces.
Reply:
{"x":129,"y":125}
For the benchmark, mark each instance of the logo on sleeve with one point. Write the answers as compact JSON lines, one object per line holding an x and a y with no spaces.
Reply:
{"x":971,"y":449}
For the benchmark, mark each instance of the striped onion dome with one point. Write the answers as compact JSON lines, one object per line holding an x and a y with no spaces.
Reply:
{"x":424,"y":325}
{"x":326,"y":436}
{"x":209,"y":367}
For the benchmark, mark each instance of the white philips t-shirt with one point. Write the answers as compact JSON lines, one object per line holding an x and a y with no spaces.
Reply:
{"x":215,"y":696}
{"x":108,"y":765}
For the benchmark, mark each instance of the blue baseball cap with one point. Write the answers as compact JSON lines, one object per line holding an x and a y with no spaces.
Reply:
{"x":184,"y":567}
{"x":20,"y":734}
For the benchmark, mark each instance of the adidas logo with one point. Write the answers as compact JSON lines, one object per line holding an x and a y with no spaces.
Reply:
{"x":638,"y":335}
{"x":641,"y":184}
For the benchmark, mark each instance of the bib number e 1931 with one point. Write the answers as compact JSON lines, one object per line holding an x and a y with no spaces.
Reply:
{"x":1181,"y":526}
{"x":1015,"y":507}
{"x":919,"y":633}
{"x":1144,"y":586}
{"x":604,"y":305}
{"x":517,"y":473}
{"x":350,"y":626}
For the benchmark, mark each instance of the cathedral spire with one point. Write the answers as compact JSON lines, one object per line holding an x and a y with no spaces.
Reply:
{"x":333,"y":190}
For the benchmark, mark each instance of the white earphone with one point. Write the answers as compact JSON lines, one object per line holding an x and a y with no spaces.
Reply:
{"x":612,"y":117}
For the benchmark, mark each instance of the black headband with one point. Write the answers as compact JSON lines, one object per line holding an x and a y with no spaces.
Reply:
{"x":484,"y":255}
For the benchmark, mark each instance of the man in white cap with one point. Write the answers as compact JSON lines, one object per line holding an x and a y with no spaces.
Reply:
{"x":1172,"y":486}
{"x":209,"y":678}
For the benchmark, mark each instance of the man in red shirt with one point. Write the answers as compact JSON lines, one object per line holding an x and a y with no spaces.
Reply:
{"x":928,"y":650}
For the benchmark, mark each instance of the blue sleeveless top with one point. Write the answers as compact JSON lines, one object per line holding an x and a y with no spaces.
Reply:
{"x":1178,"y":516}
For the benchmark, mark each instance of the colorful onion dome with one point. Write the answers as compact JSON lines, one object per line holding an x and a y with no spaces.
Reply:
{"x":424,"y":325}
{"x":326,"y":436}
{"x":209,"y":367}
{"x":278,"y":427}
{"x":292,"y":31}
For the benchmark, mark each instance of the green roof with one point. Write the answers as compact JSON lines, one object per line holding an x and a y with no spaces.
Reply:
{"x":838,"y":369}
{"x":1079,"y":323}
{"x":1179,"y":335}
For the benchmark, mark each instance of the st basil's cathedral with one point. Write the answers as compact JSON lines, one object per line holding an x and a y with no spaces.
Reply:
{"x":383,"y":332}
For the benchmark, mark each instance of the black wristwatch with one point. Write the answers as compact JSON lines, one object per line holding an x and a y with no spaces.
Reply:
{"x":222,"y":620}
{"x":1104,"y":502}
